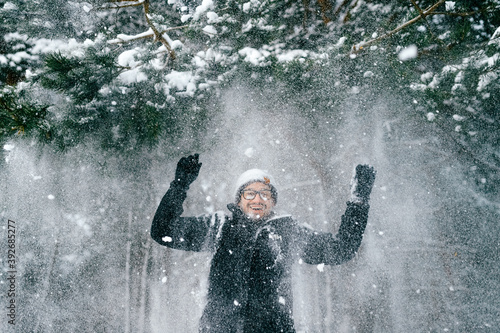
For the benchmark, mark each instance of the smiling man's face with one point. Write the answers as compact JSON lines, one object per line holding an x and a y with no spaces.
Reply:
{"x":260,"y":205}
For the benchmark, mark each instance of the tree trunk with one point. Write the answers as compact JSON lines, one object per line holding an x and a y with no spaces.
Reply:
{"x":127,"y":274}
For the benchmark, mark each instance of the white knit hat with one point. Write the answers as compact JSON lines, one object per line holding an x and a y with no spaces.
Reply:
{"x":252,"y":176}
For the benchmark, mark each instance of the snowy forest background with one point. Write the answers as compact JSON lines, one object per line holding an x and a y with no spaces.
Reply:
{"x":99,"y":100}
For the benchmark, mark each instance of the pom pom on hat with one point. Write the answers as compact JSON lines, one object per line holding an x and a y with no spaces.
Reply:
{"x":252,"y":176}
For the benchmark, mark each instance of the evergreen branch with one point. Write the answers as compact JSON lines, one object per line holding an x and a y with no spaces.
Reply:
{"x":306,"y":13}
{"x":462,"y":148}
{"x":4,"y":105}
{"x":19,"y":116}
{"x":119,"y":7}
{"x":347,"y":16}
{"x":325,"y":6}
{"x":425,"y":13}
{"x":342,"y":5}
{"x":119,"y":40}
{"x":421,"y":12}
{"x":135,"y":4}
{"x":464,"y":14}
{"x":158,"y":35}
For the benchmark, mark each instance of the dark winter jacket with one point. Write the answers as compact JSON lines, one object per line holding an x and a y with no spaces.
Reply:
{"x":250,"y":275}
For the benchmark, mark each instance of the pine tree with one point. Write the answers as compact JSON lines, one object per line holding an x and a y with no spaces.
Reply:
{"x":128,"y":75}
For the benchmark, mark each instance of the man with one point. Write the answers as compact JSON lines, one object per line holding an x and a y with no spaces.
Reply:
{"x":250,"y":286}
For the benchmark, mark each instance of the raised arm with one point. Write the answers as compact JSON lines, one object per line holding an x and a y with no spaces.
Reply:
{"x":326,"y":248}
{"x":168,"y":227}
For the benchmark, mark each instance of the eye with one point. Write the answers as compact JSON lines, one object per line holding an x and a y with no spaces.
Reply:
{"x":249,"y":195}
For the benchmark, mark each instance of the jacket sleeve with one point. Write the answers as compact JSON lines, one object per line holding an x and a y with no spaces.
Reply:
{"x":172,"y":230}
{"x":322,"y":247}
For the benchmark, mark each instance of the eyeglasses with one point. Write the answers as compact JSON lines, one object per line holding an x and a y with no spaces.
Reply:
{"x":250,"y":194}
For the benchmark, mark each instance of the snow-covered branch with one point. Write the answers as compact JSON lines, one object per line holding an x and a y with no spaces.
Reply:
{"x":158,"y":35}
{"x":425,"y":13}
{"x":122,"y":38}
{"x":117,"y":4}
{"x":152,"y":32}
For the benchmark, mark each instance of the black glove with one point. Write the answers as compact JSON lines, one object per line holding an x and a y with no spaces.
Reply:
{"x":187,"y":170}
{"x":362,"y":183}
